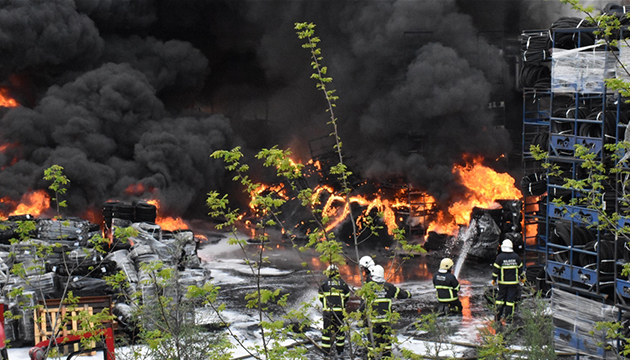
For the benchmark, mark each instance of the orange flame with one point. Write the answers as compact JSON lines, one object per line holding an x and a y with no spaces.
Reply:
{"x":137,"y":189}
{"x":338,"y":214}
{"x":168,"y":222}
{"x":5,"y":99}
{"x":485,"y":186}
{"x":32,"y":203}
{"x":279,"y":190}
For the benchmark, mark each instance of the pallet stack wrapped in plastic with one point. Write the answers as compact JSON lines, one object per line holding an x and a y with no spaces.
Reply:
{"x":71,"y":263}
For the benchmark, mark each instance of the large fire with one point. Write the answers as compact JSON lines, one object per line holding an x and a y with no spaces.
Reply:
{"x":484,"y":187}
{"x":168,"y":222}
{"x":32,"y":203}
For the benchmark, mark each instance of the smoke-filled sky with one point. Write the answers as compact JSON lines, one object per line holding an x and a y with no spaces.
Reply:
{"x":128,"y":92}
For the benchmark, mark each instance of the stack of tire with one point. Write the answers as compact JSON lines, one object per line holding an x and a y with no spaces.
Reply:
{"x":536,"y":276}
{"x":145,"y":212}
{"x":560,"y":234}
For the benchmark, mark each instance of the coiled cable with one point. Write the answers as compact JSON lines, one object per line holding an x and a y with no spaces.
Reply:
{"x":536,"y":45}
{"x":572,"y":40}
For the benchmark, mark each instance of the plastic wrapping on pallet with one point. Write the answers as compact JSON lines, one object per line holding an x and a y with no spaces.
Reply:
{"x":124,"y":264}
{"x":148,"y":229}
{"x":4,"y":271}
{"x":23,"y":327}
{"x":574,"y":318}
{"x":72,"y":229}
{"x":43,"y":285}
{"x":164,"y":250}
{"x":123,"y":313}
{"x":26,"y":249}
{"x":197,"y":277}
{"x":487,"y":237}
{"x":141,"y":254}
{"x":100,"y":270}
{"x":624,"y":58}
{"x":86,"y":286}
{"x":581,"y":70}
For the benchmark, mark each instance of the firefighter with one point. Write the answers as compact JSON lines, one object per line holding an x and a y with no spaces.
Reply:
{"x":447,"y":287}
{"x":508,"y":271}
{"x":333,"y":293}
{"x":366,"y":263}
{"x":381,"y":308}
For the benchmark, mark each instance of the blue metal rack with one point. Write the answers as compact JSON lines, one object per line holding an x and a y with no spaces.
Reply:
{"x":555,"y":234}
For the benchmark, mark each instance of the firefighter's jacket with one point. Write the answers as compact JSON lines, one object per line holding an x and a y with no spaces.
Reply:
{"x":508,"y":269}
{"x":333,"y":293}
{"x":382,"y":305}
{"x":446,"y":286}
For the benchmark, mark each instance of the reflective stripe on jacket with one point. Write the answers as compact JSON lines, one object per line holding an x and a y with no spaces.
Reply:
{"x":508,"y":268}
{"x":446,"y":286}
{"x":382,"y":305}
{"x":333,"y":293}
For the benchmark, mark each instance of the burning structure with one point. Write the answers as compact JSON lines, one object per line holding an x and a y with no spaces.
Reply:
{"x":131,"y":106}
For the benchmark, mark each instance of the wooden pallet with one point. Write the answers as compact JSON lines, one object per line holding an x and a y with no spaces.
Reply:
{"x":47,"y":324}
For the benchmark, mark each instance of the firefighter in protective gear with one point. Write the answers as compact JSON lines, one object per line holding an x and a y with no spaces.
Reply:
{"x":447,"y":287}
{"x":508,"y":271}
{"x":366,"y":263}
{"x":380,"y":311}
{"x":333,"y":294}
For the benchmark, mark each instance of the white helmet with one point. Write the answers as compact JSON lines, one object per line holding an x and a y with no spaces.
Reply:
{"x":378,"y":273}
{"x":506,"y":246}
{"x":331,"y":270}
{"x":366,"y":262}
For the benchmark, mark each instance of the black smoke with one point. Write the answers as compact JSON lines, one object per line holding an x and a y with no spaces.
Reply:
{"x":127,"y":92}
{"x":108,"y":102}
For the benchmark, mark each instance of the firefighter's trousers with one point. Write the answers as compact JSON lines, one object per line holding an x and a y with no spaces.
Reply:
{"x":381,"y":332}
{"x":331,"y":333}
{"x":506,"y":301}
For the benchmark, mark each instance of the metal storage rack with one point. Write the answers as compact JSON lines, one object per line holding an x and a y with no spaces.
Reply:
{"x":577,"y":257}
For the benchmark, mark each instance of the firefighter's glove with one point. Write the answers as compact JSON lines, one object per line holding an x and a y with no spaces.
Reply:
{"x":522,"y":280}
{"x":494,"y":282}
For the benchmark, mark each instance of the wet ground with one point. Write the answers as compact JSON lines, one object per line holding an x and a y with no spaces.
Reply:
{"x":286,"y":272}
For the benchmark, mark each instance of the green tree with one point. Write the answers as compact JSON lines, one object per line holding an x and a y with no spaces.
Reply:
{"x":271,"y":305}
{"x":605,"y":171}
{"x":30,"y":276}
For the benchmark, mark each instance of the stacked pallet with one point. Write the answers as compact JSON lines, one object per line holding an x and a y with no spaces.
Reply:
{"x":58,"y":256}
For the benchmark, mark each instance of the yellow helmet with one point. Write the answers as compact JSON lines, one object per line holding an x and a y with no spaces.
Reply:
{"x":446,"y":264}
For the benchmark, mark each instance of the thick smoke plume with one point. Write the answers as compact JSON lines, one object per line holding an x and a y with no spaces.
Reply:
{"x":132,"y":96}
{"x":414,"y":79}
{"x":94,"y":103}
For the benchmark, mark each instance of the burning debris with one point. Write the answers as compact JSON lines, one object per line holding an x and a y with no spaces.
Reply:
{"x":133,"y":105}
{"x":397,"y":204}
